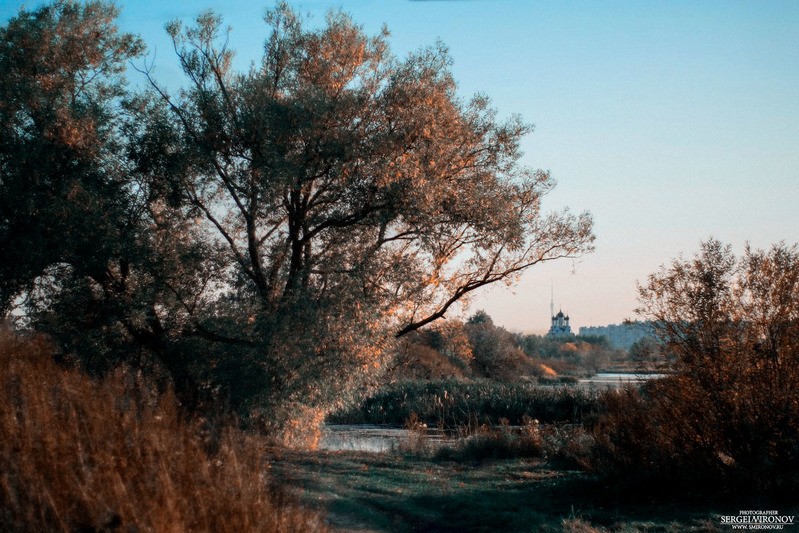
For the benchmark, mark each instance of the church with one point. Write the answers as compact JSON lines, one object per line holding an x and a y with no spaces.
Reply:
{"x":560,"y":322}
{"x":560,"y":326}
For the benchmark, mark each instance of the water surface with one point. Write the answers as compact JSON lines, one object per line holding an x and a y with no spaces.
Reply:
{"x":619,"y":379}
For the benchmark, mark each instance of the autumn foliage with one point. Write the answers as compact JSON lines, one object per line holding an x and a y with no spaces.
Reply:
{"x":259,"y":237}
{"x":728,"y":417}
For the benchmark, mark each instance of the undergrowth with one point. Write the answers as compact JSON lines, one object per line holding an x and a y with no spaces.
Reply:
{"x":496,"y":442}
{"x":85,"y":455}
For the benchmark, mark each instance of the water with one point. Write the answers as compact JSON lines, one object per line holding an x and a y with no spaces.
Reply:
{"x":369,"y":438}
{"x":618,"y":379}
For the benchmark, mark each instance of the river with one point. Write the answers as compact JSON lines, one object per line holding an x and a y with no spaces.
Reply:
{"x":617,"y":380}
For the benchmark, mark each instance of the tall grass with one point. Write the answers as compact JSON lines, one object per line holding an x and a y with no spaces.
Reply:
{"x":82,"y":455}
{"x":451,"y":403}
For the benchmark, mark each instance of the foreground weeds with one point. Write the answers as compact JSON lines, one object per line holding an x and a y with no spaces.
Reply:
{"x":81,"y":455}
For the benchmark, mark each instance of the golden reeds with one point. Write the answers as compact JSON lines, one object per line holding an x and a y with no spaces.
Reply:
{"x":83,"y":454}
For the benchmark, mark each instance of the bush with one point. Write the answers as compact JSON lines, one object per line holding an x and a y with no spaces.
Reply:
{"x":417,"y":361}
{"x":728,"y":417}
{"x":639,"y":437}
{"x":496,"y":442}
{"x":496,"y":351}
{"x":568,"y":446}
{"x":84,"y":455}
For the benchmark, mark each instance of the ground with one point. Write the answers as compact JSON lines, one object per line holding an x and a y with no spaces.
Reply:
{"x":397,"y":493}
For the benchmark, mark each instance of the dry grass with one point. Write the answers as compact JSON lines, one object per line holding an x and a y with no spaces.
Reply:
{"x":578,"y":525}
{"x":496,"y":442}
{"x":82,"y":455}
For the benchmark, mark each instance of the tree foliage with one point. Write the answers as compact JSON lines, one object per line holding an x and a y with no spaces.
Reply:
{"x":63,"y":197}
{"x":730,"y":411}
{"x":260,"y":236}
{"x":334,"y":169}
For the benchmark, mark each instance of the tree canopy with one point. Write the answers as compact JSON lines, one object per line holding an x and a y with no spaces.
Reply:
{"x":62,"y":194}
{"x":260,"y":235}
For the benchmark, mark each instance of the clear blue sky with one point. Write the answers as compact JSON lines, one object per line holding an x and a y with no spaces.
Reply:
{"x":669,"y":121}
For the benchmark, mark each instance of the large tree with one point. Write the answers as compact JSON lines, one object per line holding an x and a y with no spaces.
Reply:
{"x":347,"y":186}
{"x":275,"y":230}
{"x":334,"y":169}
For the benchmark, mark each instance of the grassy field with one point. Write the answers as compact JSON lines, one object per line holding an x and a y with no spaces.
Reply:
{"x":398,"y":493}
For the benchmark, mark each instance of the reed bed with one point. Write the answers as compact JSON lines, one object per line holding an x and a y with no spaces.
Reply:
{"x":453,"y":404}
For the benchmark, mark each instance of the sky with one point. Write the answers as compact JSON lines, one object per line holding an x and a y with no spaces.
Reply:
{"x":670,"y":122}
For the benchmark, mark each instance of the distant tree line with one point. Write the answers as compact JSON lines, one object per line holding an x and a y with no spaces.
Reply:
{"x":478,"y":348}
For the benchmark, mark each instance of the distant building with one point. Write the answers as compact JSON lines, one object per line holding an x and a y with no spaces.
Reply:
{"x":620,"y":336}
{"x":560,"y":326}
{"x":560,"y":322}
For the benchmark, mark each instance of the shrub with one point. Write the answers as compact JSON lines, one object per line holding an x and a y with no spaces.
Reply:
{"x":569,"y":446}
{"x":639,"y":437}
{"x":728,"y":417}
{"x":85,"y":455}
{"x":496,"y":351}
{"x":417,"y":361}
{"x":496,"y":442}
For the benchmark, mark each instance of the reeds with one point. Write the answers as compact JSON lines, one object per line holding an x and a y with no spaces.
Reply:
{"x":78,"y":454}
{"x":453,"y":404}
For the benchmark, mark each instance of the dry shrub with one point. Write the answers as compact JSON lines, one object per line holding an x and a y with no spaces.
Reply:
{"x":82,"y":455}
{"x":727,"y":419}
{"x":496,"y":442}
{"x":416,"y":442}
{"x":578,"y":525}
{"x":672,"y":434}
{"x":568,"y":446}
{"x":639,"y":437}
{"x":417,"y":361}
{"x":296,"y":426}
